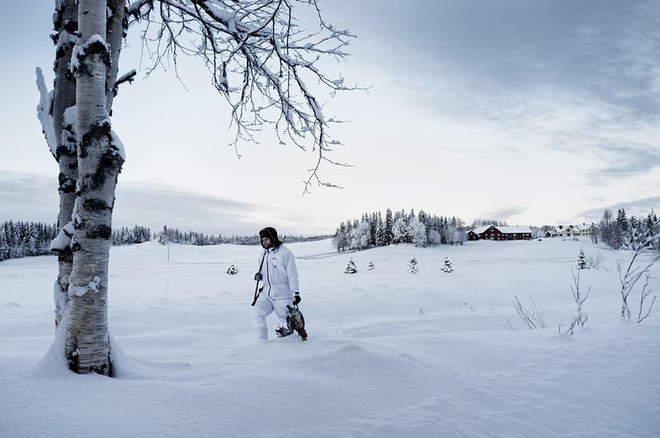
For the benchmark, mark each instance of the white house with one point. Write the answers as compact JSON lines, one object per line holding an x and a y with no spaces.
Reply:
{"x":572,"y":230}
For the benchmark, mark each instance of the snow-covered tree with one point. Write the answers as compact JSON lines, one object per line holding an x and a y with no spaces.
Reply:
{"x":389,"y":224}
{"x":232,"y":270}
{"x":417,"y":232}
{"x":260,"y":60}
{"x":380,"y":231}
{"x":56,"y":112}
{"x":434,"y":237}
{"x":412,"y":266}
{"x":340,"y":240}
{"x":582,"y":261}
{"x":371,"y":266}
{"x":361,"y":235}
{"x":400,"y":231}
{"x":22,"y":239}
{"x":350,"y":267}
{"x":446,"y":266}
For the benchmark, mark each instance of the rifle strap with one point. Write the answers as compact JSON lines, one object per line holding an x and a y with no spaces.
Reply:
{"x":257,"y":292}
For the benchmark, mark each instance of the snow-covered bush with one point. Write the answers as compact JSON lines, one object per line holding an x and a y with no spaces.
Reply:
{"x":232,"y":270}
{"x":412,"y":267}
{"x":446,"y":266}
{"x":582,"y":261}
{"x":594,"y":260}
{"x":350,"y":267}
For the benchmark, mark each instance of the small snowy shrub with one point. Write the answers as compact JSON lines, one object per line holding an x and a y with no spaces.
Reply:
{"x":412,"y":267}
{"x":446,"y":267}
{"x":582,"y":261}
{"x":350,"y":268}
{"x":232,"y":270}
{"x":371,"y":266}
{"x":531,"y":316}
{"x":580,"y":318}
{"x":594,"y":261}
{"x":634,"y":270}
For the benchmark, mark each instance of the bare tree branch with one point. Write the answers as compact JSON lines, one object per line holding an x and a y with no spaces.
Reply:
{"x":260,"y":59}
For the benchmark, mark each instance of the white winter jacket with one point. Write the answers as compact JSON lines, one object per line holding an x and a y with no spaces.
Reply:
{"x":279,"y":273}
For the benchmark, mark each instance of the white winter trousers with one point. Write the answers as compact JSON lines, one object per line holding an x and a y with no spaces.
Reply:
{"x":264,"y":307}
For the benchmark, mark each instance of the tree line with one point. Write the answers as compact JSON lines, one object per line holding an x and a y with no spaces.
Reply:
{"x":25,"y":239}
{"x":623,"y":232}
{"x":174,"y":235}
{"x":376,"y":229}
{"x":421,"y":229}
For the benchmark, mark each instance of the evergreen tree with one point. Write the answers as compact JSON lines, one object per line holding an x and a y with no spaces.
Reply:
{"x":389,"y":224}
{"x":380,"y":231}
{"x":446,"y":266}
{"x":434,"y":237}
{"x":24,"y":239}
{"x":412,"y":266}
{"x":361,"y":235}
{"x":350,"y":268}
{"x":582,"y":261}
{"x":417,"y":232}
{"x":340,"y":240}
{"x":232,"y":270}
{"x":373,"y":229}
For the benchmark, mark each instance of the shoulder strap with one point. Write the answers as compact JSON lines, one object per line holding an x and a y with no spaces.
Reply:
{"x":257,"y":292}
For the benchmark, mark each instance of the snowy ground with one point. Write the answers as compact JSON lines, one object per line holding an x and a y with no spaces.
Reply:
{"x":390,"y":354}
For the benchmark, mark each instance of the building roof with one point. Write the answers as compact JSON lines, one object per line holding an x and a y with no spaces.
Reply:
{"x":503,"y":230}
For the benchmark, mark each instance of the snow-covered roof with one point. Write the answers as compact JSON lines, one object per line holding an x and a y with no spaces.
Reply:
{"x":512,"y":230}
{"x":481,"y":229}
{"x":504,"y":230}
{"x":579,"y":227}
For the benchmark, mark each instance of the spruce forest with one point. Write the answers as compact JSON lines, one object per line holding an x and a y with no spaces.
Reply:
{"x":25,"y":239}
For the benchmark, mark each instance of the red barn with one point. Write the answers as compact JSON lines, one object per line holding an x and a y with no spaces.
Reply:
{"x":492,"y":232}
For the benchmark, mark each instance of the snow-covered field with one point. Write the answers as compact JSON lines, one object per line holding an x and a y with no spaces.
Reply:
{"x":390,"y":354}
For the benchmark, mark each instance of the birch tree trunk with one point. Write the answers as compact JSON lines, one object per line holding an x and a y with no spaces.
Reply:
{"x":100,"y":158}
{"x":64,"y":98}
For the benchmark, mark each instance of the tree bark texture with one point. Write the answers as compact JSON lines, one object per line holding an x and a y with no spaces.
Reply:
{"x":64,"y":98}
{"x":115,"y":33}
{"x":99,"y":163}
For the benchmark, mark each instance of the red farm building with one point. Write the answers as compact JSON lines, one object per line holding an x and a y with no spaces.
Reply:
{"x":492,"y":232}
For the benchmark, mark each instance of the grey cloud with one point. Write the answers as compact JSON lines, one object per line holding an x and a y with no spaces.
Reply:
{"x":525,"y":64}
{"x":601,"y":49}
{"x":504,"y":213}
{"x":35,"y":198}
{"x":627,"y":160}
{"x":28,"y":198}
{"x":638,"y":207}
{"x":155,"y":206}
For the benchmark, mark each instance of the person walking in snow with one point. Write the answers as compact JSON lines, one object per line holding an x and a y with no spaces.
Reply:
{"x":279,"y":277}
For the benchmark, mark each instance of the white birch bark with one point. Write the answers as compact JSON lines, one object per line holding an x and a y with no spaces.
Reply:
{"x":114,"y":38}
{"x":99,"y":163}
{"x":64,"y":97}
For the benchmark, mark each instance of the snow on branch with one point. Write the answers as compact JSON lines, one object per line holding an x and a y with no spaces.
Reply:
{"x":126,"y":77}
{"x":636,"y":270}
{"x":95,"y":45}
{"x":44,"y":113}
{"x":63,"y":239}
{"x":261,"y":60}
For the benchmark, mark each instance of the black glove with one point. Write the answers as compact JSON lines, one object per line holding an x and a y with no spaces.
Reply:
{"x":296,"y":298}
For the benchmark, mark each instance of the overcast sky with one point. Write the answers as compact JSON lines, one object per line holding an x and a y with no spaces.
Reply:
{"x":528,"y":111}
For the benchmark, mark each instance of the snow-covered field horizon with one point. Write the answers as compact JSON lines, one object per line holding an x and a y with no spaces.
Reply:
{"x":390,"y":354}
